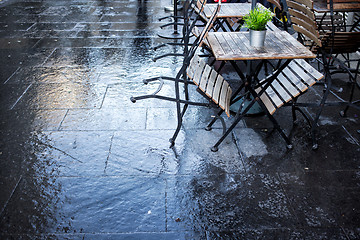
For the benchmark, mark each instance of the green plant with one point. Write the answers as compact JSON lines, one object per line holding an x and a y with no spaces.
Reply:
{"x":258,"y":18}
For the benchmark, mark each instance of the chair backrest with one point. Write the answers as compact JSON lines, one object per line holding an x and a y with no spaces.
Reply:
{"x":294,"y":80}
{"x":303,"y":20}
{"x":189,"y":53}
{"x":203,"y":34}
{"x":344,"y":4}
{"x":200,"y":4}
{"x":276,"y":3}
{"x":209,"y":24}
{"x":211,"y":83}
{"x":341,"y":42}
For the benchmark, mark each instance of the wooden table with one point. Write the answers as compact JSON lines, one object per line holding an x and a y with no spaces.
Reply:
{"x":231,"y":10}
{"x":236,"y":46}
{"x":233,"y":46}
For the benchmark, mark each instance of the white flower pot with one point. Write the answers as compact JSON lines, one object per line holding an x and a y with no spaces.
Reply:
{"x":257,"y":38}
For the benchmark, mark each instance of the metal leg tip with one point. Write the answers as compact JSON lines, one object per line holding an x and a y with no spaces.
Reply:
{"x":289,"y":146}
{"x":208,"y":128}
{"x":214,"y":149}
{"x":145,"y":81}
{"x":315,"y":146}
{"x":342,"y":114}
{"x":133,"y":99}
{"x":172,"y":142}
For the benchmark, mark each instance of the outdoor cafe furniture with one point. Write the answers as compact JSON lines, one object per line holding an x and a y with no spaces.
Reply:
{"x":230,"y":14}
{"x":182,"y":103}
{"x":329,"y":46}
{"x":290,"y":79}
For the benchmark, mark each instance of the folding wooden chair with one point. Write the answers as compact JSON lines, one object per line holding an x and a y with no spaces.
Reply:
{"x":328,"y":45}
{"x":181,"y":77}
{"x":280,"y":88}
{"x":280,"y":18}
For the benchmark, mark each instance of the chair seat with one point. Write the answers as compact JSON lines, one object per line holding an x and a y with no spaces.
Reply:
{"x":210,"y":83}
{"x":294,"y":80}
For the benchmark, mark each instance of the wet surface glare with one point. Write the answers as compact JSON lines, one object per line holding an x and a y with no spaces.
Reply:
{"x":79,"y":160}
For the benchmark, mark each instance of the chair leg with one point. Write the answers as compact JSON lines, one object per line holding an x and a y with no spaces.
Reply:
{"x":328,"y":84}
{"x":178,"y":112}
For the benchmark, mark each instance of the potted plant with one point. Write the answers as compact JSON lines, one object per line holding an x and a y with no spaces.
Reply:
{"x":256,"y":22}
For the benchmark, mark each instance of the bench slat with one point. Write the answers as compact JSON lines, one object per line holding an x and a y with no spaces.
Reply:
{"x":274,"y":96}
{"x":312,"y":71}
{"x":297,"y":82}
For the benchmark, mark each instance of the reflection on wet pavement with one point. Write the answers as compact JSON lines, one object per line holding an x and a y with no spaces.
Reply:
{"x":79,"y":160}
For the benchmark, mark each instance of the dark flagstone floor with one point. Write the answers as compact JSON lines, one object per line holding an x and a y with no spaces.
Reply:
{"x":78,"y":160}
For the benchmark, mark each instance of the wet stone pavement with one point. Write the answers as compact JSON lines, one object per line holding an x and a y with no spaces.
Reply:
{"x":78,"y":160}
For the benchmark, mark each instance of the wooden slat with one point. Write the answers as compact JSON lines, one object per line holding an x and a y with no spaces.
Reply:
{"x":211,"y":83}
{"x":295,"y":79}
{"x":205,"y":78}
{"x":284,"y":89}
{"x":276,"y":3}
{"x":274,"y":96}
{"x":196,"y":31}
{"x":267,"y":102}
{"x":283,"y":94}
{"x":289,"y":85}
{"x":308,"y":3}
{"x":312,"y":71}
{"x":198,"y":72}
{"x":223,"y":91}
{"x":217,"y":88}
{"x":228,"y":98}
{"x":312,"y":37}
{"x":302,"y":20}
{"x":305,"y":77}
{"x":194,"y":63}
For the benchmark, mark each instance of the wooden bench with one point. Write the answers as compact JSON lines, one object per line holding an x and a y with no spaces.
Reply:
{"x":209,"y":82}
{"x":294,"y":80}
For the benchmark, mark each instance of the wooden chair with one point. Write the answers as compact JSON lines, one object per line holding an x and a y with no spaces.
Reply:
{"x":210,"y":83}
{"x":273,"y":92}
{"x":280,"y":18}
{"x":181,"y":77}
{"x":328,"y":45}
{"x":293,"y":81}
{"x":344,"y":4}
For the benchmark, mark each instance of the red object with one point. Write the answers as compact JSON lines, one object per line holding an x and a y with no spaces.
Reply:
{"x":221,"y":0}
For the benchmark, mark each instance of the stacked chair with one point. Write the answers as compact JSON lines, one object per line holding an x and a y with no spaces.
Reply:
{"x":329,"y":44}
{"x":186,"y":76}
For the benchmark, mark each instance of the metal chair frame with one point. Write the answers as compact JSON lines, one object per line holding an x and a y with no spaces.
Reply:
{"x":181,"y":77}
{"x":325,"y":47}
